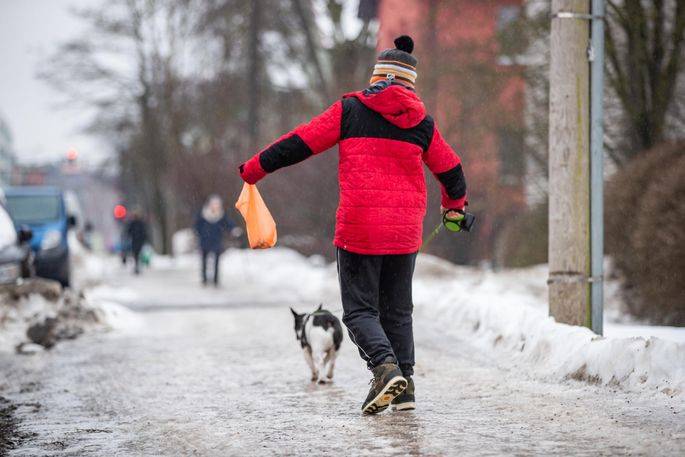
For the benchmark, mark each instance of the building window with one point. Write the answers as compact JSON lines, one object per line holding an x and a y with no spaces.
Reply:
{"x":512,"y":164}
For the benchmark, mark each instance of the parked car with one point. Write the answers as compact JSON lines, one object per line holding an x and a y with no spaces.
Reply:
{"x":16,"y":256}
{"x":43,"y":210}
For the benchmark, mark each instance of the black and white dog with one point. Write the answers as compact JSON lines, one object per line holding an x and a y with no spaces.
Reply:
{"x":320,"y":335}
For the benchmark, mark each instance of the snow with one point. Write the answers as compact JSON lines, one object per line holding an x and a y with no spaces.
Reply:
{"x":503,"y":313}
{"x":15,"y":317}
{"x":8,"y":234}
{"x":118,"y":317}
{"x":613,"y":330}
{"x":89,"y":270}
{"x":183,"y":242}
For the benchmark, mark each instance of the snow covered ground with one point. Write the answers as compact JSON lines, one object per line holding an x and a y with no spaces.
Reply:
{"x":502,"y":313}
{"x":193,"y":370}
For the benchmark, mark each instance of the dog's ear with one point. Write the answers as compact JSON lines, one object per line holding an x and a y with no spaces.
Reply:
{"x":295,"y":315}
{"x":320,"y":307}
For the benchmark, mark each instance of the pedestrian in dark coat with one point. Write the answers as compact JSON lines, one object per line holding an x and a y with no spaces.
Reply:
{"x":136,"y":230}
{"x":385,"y":137}
{"x":210,"y":226}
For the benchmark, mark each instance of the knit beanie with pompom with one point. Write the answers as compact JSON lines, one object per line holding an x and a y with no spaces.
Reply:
{"x":397,"y":64}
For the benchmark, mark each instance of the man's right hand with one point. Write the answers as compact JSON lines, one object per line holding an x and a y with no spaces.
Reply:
{"x":452,"y":214}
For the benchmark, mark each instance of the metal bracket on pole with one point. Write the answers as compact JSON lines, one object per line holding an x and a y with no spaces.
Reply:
{"x":563,"y":277}
{"x":582,"y":16}
{"x":590,"y":53}
{"x":566,"y":277}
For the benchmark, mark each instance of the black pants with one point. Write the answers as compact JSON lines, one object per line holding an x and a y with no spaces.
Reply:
{"x":205,"y":255}
{"x":136,"y":250}
{"x":377,"y":303}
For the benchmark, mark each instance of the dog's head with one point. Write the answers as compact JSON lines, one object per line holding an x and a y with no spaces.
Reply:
{"x":299,"y":323}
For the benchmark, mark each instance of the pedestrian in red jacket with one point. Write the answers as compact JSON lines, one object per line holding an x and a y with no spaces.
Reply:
{"x":385,"y":136}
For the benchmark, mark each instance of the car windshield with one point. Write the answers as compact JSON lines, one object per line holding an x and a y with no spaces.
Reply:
{"x":33,"y":209}
{"x":8,"y":234}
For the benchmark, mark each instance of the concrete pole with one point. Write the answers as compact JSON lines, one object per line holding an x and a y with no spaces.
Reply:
{"x":597,"y":166}
{"x":569,"y":186}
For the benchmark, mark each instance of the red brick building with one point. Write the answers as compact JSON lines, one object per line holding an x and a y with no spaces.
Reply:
{"x":476,"y":98}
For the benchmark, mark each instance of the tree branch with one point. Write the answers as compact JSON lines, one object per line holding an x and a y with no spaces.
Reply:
{"x":312,"y":49}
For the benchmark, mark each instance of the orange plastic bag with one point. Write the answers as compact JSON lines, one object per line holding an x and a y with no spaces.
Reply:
{"x":261,"y":227}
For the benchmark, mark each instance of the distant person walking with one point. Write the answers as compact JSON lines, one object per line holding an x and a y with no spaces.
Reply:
{"x":210,"y":226}
{"x":136,"y":230}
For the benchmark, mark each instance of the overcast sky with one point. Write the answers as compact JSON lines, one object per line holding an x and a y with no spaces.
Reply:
{"x":29,"y":32}
{"x":43,"y":128}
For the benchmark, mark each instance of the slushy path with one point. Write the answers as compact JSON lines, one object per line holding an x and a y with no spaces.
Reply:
{"x":228,"y":378}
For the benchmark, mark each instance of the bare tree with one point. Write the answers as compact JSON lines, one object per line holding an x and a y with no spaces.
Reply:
{"x":185,"y":90}
{"x":127,"y":68}
{"x":644,"y":46}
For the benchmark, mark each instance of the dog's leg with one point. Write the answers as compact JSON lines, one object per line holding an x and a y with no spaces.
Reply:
{"x":310,"y":362}
{"x":320,"y":361}
{"x":332,"y":354}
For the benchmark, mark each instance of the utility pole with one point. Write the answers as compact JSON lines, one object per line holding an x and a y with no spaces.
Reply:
{"x":569,"y":187}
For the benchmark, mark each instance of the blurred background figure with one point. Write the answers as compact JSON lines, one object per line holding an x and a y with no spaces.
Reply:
{"x":136,"y":231}
{"x":87,"y":235}
{"x":210,"y":226}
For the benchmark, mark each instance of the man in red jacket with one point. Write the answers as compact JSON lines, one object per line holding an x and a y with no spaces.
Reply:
{"x":385,"y":137}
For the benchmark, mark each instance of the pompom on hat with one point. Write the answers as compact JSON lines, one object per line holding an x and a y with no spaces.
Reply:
{"x":397,"y":64}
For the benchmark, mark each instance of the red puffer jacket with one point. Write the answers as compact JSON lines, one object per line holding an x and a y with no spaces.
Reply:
{"x":385,"y":137}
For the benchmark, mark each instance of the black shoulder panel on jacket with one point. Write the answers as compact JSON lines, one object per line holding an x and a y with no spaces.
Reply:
{"x":284,"y":153}
{"x":358,"y":121}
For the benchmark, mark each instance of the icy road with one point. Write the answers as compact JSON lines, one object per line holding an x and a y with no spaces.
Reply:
{"x":207,"y":372}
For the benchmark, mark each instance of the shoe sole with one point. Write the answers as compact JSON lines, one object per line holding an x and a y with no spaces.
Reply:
{"x":406,"y":406}
{"x":392,"y":389}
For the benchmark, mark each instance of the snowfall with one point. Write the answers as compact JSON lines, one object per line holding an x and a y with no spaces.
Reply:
{"x":502,"y":313}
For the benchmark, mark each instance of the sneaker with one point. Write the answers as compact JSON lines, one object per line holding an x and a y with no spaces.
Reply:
{"x":387,"y":383}
{"x":405,"y":401}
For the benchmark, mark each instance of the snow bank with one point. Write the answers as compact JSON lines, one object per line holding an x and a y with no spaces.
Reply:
{"x":47,"y":320}
{"x":74,"y":315}
{"x":117,"y":317}
{"x":16,"y":316}
{"x":55,"y":314}
{"x":88,"y":269}
{"x":183,"y":242}
{"x":505,"y":315}
{"x":283,"y":274}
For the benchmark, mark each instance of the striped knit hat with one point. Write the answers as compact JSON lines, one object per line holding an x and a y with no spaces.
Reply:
{"x":397,"y":64}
